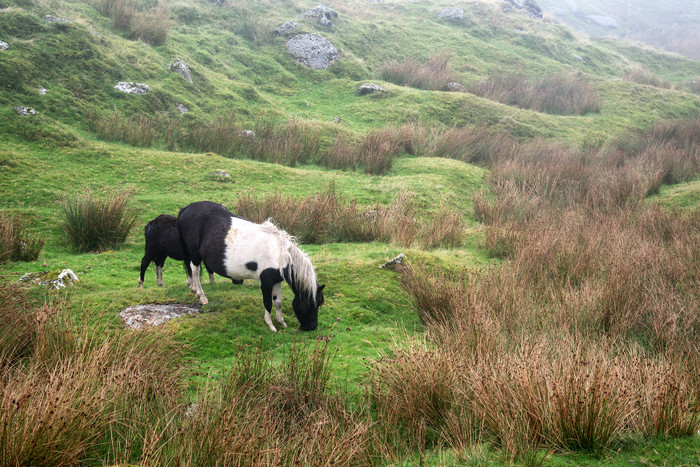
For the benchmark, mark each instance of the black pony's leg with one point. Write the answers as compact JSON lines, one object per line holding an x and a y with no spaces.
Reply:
{"x":268,"y":279}
{"x":212,"y":280}
{"x":160,"y":262}
{"x":145,"y":261}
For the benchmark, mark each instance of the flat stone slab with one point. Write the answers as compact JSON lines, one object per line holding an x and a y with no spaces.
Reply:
{"x":130,"y":87}
{"x":153,"y":314}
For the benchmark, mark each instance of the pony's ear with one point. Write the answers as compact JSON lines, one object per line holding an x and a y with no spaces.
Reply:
{"x":321,"y":287}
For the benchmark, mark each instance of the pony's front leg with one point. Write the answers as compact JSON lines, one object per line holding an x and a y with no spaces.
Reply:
{"x":266,"y":286}
{"x":277,"y":301}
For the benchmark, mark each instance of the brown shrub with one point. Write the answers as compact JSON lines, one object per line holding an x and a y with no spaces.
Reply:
{"x":15,"y":243}
{"x":641,"y":75}
{"x":434,"y":75}
{"x":149,"y":25}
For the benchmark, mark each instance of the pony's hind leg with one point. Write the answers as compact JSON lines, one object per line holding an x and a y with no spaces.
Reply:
{"x":277,"y":301}
{"x":196,"y":285}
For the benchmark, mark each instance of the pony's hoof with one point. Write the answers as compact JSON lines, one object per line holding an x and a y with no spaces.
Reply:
{"x":203,"y":301}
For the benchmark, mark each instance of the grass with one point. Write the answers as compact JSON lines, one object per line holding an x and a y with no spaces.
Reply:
{"x":525,"y":270}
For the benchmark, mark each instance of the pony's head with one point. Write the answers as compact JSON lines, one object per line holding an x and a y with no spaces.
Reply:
{"x":306,"y":308}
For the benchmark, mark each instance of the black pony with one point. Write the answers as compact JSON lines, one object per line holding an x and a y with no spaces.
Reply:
{"x":240,"y":249}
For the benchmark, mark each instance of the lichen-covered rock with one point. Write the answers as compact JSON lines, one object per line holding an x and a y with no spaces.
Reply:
{"x":142,"y":316}
{"x":179,"y":66}
{"x":369,"y":88}
{"x":220,"y":174}
{"x":24,"y":111}
{"x":55,"y":19}
{"x":4,"y":45}
{"x":181,"y":107}
{"x":42,"y":91}
{"x":531,"y":7}
{"x":247,"y":134}
{"x":53,"y":280}
{"x":392,"y":264}
{"x":455,"y":87}
{"x":312,"y":50}
{"x":129,"y":87}
{"x":285,"y":28}
{"x":451,"y":14}
{"x":318,"y":11}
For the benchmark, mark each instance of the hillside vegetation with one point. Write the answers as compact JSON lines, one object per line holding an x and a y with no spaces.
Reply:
{"x":543,"y":186}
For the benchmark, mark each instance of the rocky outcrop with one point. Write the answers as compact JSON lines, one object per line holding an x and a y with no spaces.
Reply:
{"x":451,"y":14}
{"x":312,"y":50}
{"x":129,"y":87}
{"x":369,"y":88}
{"x":55,"y":19}
{"x":322,"y":14}
{"x":285,"y":28}
{"x":24,"y":111}
{"x":143,"y":316}
{"x":179,"y":66}
{"x":455,"y":87}
{"x":392,"y":264}
{"x":53,"y":280}
{"x":604,"y":21}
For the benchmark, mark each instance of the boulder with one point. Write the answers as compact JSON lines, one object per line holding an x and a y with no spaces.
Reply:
{"x":605,"y":21}
{"x":455,"y":87}
{"x":369,"y":88}
{"x":181,"y":107}
{"x":392,"y":264}
{"x":179,"y":66}
{"x":24,"y":111}
{"x":53,"y":280}
{"x":55,"y":19}
{"x":451,"y":14}
{"x":129,"y":87}
{"x":285,"y":28}
{"x":4,"y":45}
{"x":149,"y":315}
{"x":312,"y":50}
{"x":318,"y":11}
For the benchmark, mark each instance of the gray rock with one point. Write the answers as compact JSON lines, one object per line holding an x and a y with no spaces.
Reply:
{"x":129,"y":87}
{"x":54,"y":280}
{"x":285,"y":28}
{"x":451,"y":14}
{"x":531,"y":7}
{"x":318,"y":11}
{"x":579,"y":58}
{"x":220,"y":174}
{"x":142,"y":316}
{"x":179,"y":66}
{"x":312,"y":50}
{"x":181,"y":107}
{"x":392,"y":264}
{"x":369,"y":88}
{"x":247,"y":134}
{"x":325,"y":22}
{"x":455,"y":87}
{"x":4,"y":45}
{"x":55,"y":19}
{"x":42,"y":91}
{"x":24,"y":111}
{"x":605,"y":21}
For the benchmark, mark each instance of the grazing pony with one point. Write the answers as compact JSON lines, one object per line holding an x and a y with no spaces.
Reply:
{"x":240,"y":249}
{"x":162,"y":241}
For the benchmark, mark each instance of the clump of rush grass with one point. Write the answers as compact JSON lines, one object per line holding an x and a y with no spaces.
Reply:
{"x":433,"y":75}
{"x":641,"y":75}
{"x":16,"y":244}
{"x":97,"y":224}
{"x":136,"y":130}
{"x":558,"y":93}
{"x":150,"y":25}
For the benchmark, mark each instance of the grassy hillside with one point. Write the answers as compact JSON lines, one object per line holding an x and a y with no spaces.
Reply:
{"x":408,"y":349}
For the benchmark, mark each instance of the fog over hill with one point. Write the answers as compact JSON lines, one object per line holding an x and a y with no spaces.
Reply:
{"x":674,"y":26}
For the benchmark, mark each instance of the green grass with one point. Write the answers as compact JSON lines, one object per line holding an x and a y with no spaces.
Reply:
{"x":54,"y":155}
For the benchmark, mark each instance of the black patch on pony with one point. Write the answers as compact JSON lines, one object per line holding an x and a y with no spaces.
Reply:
{"x":251,"y":265}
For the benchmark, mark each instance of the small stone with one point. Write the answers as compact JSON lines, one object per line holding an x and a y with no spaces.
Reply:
{"x":179,"y":66}
{"x":220,"y":174}
{"x":53,"y":280}
{"x":451,"y":14}
{"x":285,"y":28}
{"x":181,"y":107}
{"x":392,"y":264}
{"x":42,"y":91}
{"x":455,"y":87}
{"x":579,"y":58}
{"x":24,"y":111}
{"x":55,"y":19}
{"x":132,"y":88}
{"x":4,"y":45}
{"x":369,"y":88}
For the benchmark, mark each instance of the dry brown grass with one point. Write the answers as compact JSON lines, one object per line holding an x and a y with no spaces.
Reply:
{"x":641,"y":75}
{"x":433,"y":75}
{"x":149,"y":25}
{"x":15,"y":243}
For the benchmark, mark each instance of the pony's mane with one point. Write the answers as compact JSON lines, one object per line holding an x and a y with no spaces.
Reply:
{"x":304,"y":275}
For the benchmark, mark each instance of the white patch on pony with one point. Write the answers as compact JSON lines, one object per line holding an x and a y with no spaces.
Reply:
{"x":247,"y":242}
{"x":268,"y":321}
{"x":277,"y":301}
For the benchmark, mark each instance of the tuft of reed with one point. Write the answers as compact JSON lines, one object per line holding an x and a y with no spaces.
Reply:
{"x":93,"y":224}
{"x":433,"y":75}
{"x":149,"y":25}
{"x":15,"y":243}
{"x":641,"y":75}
